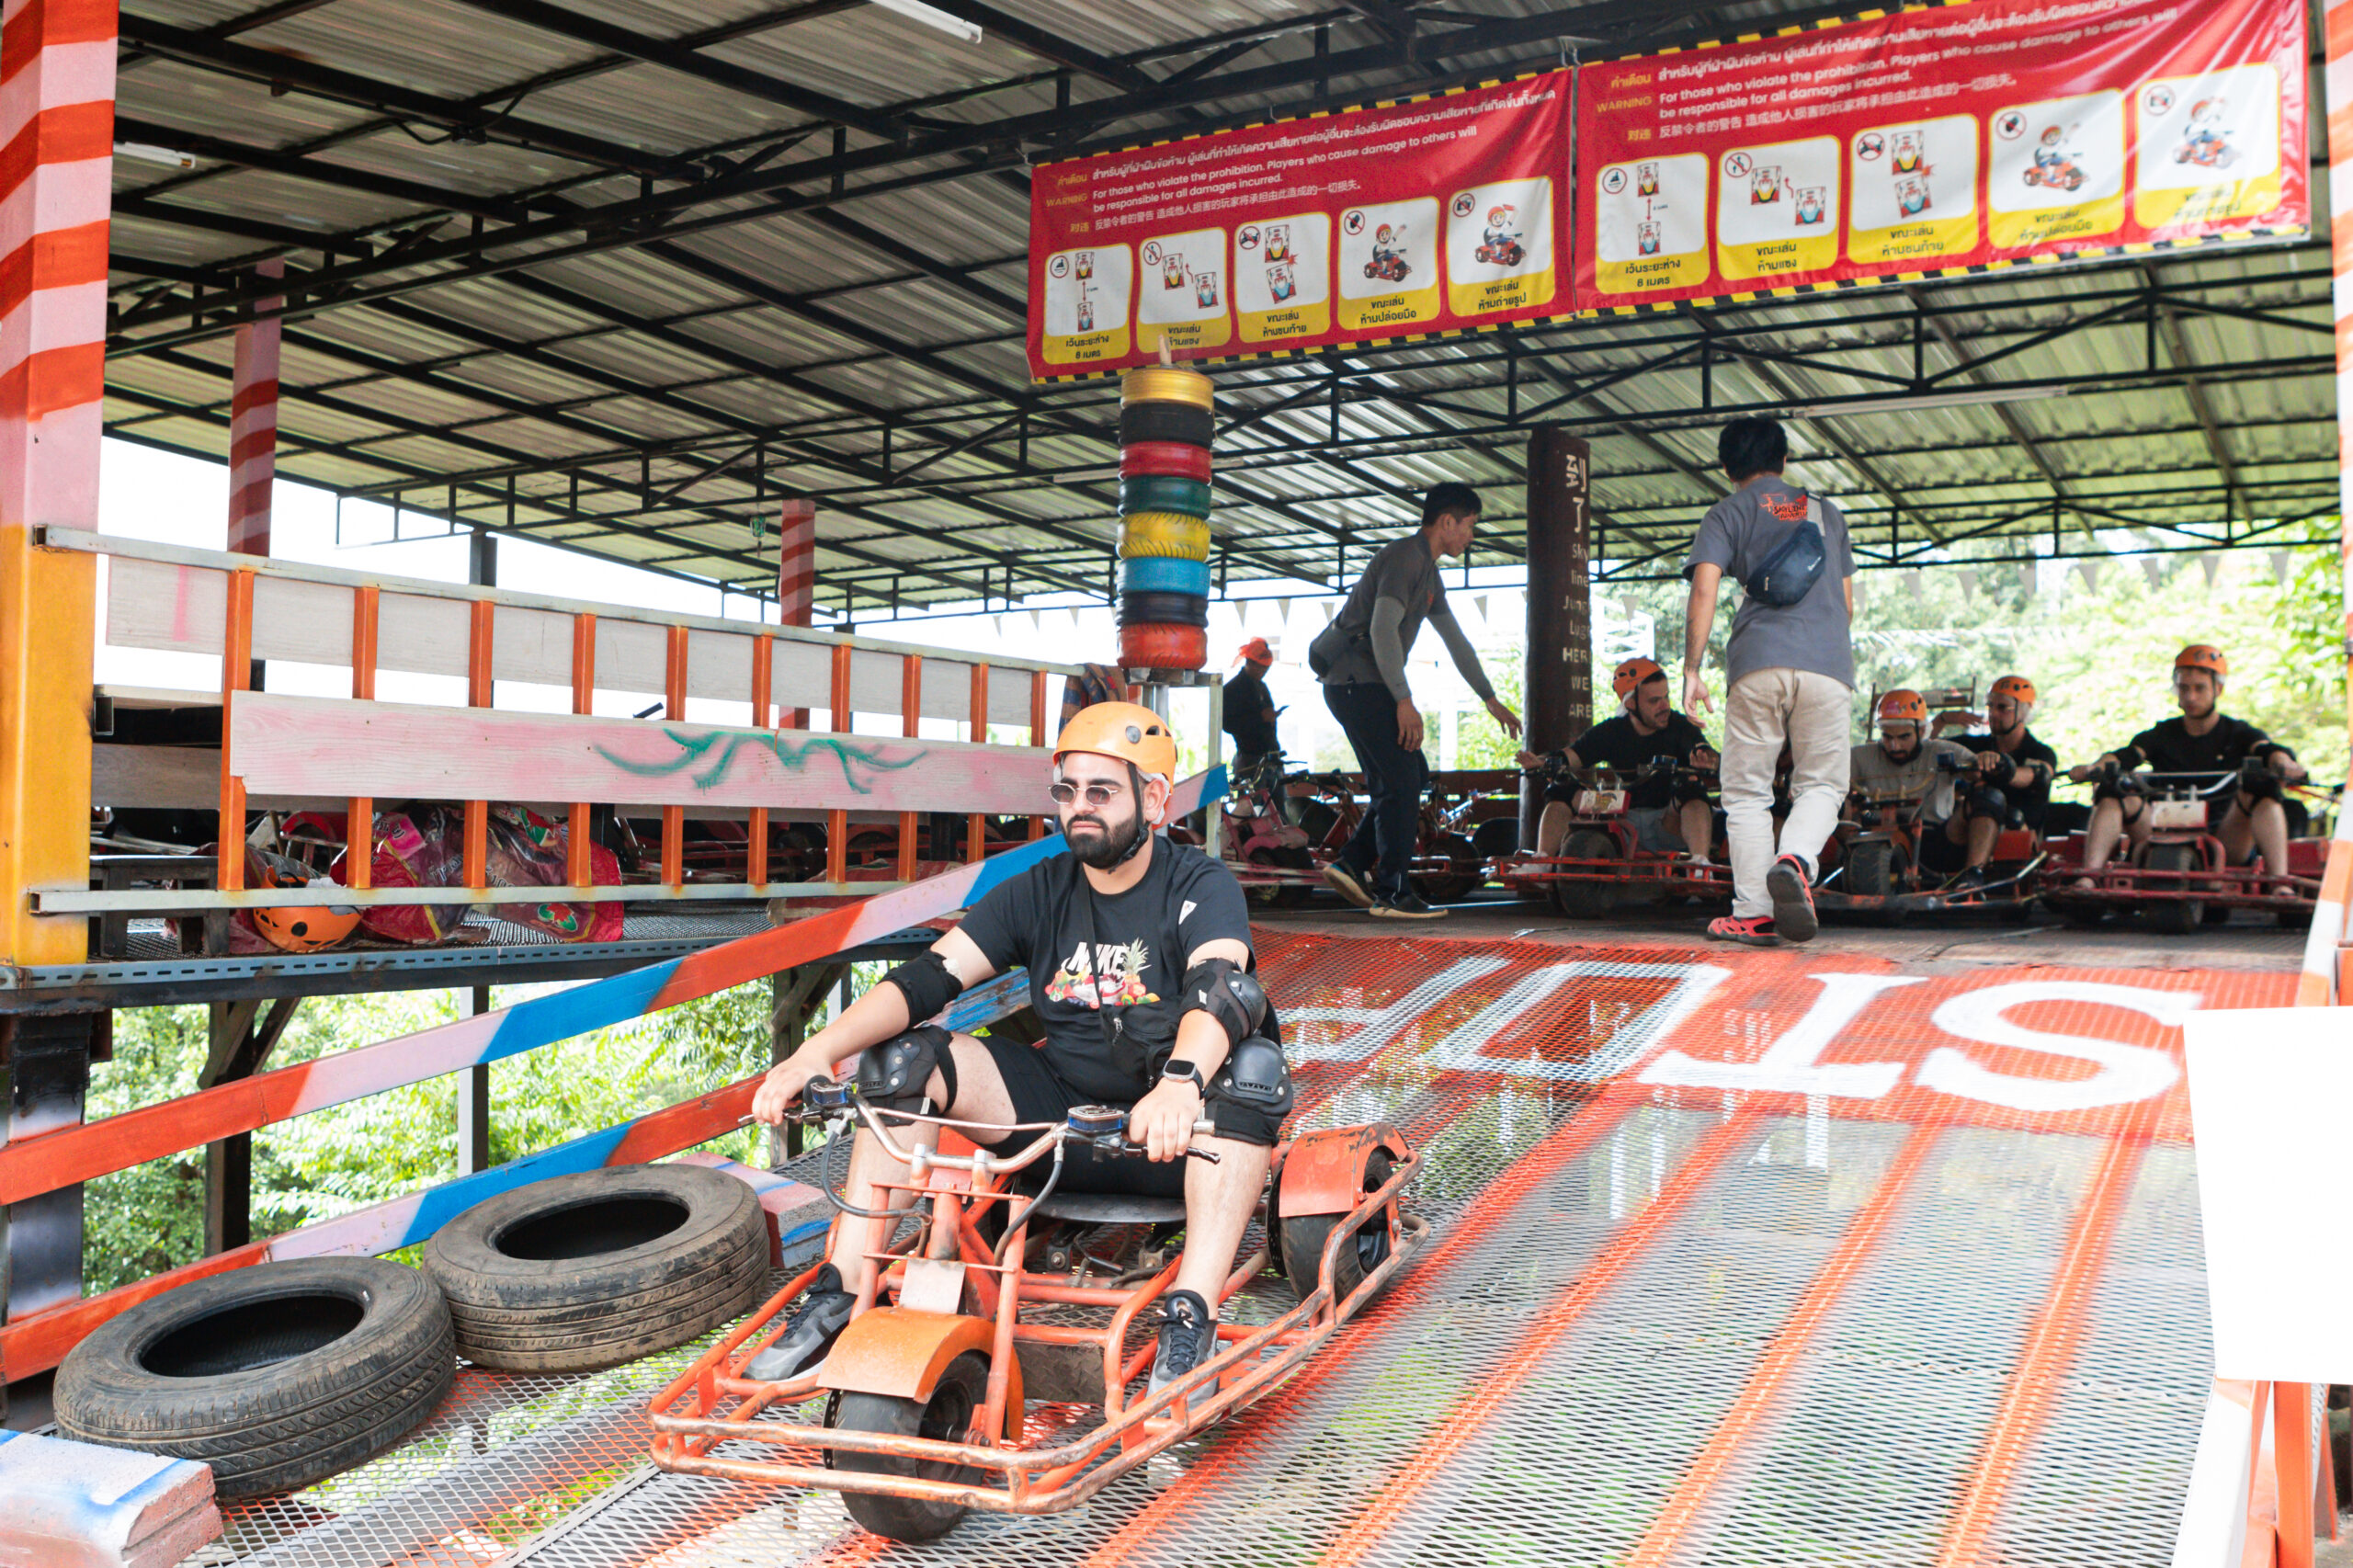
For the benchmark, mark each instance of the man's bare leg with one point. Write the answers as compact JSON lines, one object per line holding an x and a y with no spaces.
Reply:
{"x":2260,"y":825}
{"x":2100,"y":837}
{"x":1218,"y":1201}
{"x":1981,"y":832}
{"x":1552,"y":828}
{"x":980,"y":1097}
{"x":1695,"y":824}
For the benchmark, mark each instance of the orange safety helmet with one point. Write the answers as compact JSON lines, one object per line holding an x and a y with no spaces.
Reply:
{"x":1902,"y":706}
{"x":1631,"y":675}
{"x":1256,"y":652}
{"x":304,"y":927}
{"x":2203,"y":656}
{"x":1128,"y":730}
{"x":2018,"y":689}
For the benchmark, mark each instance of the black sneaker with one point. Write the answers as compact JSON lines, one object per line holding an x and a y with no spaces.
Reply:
{"x":808,"y":1334}
{"x":1406,"y":905}
{"x":1188,"y":1336}
{"x":1349,"y":883}
{"x":1793,"y":916}
{"x":1969,"y":879}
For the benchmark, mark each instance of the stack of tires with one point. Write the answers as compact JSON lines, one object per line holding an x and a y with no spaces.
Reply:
{"x":1164,"y":423}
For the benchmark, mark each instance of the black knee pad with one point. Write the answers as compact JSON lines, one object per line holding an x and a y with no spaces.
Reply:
{"x":1988,"y":801}
{"x":2260,"y":784}
{"x":893,"y":1074}
{"x":1687,"y":789}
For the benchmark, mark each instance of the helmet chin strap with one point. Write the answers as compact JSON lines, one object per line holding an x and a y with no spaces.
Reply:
{"x":1144,"y":828}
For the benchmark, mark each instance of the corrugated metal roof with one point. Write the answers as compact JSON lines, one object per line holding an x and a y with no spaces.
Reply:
{"x":863,"y":341}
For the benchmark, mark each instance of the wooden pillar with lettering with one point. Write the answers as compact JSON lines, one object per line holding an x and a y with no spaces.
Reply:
{"x":1559,"y":686}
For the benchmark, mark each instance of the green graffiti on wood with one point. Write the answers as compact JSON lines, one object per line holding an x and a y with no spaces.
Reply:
{"x":858,"y":763}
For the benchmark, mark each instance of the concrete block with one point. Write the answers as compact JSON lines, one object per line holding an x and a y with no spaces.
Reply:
{"x":68,"y":1505}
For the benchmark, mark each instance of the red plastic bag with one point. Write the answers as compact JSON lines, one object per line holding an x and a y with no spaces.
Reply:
{"x":529,"y":850}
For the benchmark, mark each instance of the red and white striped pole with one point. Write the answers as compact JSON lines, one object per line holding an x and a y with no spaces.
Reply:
{"x":2337,"y":22}
{"x":253,"y":426}
{"x":57,"y":125}
{"x":796,"y":576}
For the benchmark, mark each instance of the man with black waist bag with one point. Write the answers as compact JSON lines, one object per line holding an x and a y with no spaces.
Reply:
{"x":1360,"y":659}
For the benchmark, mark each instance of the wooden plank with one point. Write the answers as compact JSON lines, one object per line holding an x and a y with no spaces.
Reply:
{"x":309,"y":746}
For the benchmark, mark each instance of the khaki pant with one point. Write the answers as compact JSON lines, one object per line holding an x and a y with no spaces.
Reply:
{"x":1763,"y":709}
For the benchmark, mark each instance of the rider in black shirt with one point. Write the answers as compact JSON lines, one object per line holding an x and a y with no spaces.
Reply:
{"x":1138,"y":953}
{"x":2202,"y":740}
{"x":2013,"y":777}
{"x":1250,"y":714}
{"x":1668,"y":815}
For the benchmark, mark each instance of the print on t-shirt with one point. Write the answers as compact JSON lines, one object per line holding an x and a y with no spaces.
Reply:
{"x":1114,"y":978}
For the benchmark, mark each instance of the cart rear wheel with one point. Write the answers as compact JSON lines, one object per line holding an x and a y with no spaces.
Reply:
{"x":1304,"y":1235}
{"x":1875,"y":867}
{"x":1280,"y":895}
{"x":1464,"y":873}
{"x":1584,"y":900}
{"x":2174,"y":916}
{"x":956,"y":1403}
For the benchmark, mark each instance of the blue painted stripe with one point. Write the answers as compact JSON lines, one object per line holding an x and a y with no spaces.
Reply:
{"x":543,"y":1021}
{"x":1164,"y":575}
{"x":436,"y":1206}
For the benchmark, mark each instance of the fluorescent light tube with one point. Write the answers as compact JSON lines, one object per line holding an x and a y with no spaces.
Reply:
{"x":933,"y":16}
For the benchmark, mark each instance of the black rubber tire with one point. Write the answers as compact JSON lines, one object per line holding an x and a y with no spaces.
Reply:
{"x":584,"y":1271}
{"x":275,"y":1376}
{"x":1140,"y":421}
{"x":1303,"y":1236}
{"x":1587,"y":901}
{"x":948,"y":1414}
{"x":2080,"y":912}
{"x":1163,"y":609}
{"x":1495,"y":837}
{"x":1875,"y":867}
{"x":1284,"y":895}
{"x":2174,"y":916}
{"x":1466,"y":872}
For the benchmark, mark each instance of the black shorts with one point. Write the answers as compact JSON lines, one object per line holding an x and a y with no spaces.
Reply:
{"x":1938,"y":852}
{"x":1039,"y":1094}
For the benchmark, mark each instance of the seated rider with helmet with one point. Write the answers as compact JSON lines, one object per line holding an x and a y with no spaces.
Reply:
{"x":1899,"y":772}
{"x":2203,"y":740}
{"x":1140,"y":968}
{"x":1669,"y":813}
{"x":2014,"y":774}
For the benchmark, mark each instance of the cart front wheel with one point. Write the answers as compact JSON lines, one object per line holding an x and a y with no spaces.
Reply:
{"x":955,"y":1404}
{"x":1303,"y":1236}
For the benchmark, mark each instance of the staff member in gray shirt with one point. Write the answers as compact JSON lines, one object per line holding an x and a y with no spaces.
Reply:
{"x":1793,"y":674}
{"x":1360,"y":659}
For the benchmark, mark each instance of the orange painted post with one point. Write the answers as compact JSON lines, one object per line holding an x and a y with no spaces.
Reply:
{"x":236,"y":671}
{"x":359,"y":824}
{"x":57,"y":98}
{"x":479,"y":688}
{"x":976,"y":828}
{"x":579,"y":868}
{"x":2292,"y":1449}
{"x":674,"y":818}
{"x":756,"y":836}
{"x":838,"y":719}
{"x":911,"y":721}
{"x":1038,"y":734}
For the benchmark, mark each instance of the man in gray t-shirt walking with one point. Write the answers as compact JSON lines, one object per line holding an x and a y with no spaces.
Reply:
{"x":1791,"y":672}
{"x":1360,"y":659}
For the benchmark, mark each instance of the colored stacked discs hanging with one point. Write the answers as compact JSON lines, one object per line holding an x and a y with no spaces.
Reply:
{"x":1165,"y":426}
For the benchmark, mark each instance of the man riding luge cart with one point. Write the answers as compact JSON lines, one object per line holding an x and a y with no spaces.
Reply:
{"x":1156,"y":1102}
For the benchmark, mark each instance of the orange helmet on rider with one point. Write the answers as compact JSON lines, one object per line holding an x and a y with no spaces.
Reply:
{"x":1128,"y":730}
{"x":2203,"y":656}
{"x":2018,"y":689}
{"x":1902,"y":706}
{"x":1630,"y":677}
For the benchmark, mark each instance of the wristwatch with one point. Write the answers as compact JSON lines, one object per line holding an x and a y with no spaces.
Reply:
{"x":1186,"y":1071}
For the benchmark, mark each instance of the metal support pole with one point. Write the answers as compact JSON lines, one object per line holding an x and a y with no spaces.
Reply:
{"x":794,"y":996}
{"x":57,"y":95}
{"x":241,"y":1037}
{"x":1559,"y":672}
{"x":49,"y":1072}
{"x":473,"y":1101}
{"x":796,"y":577}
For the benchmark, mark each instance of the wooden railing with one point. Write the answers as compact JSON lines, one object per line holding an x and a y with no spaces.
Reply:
{"x":354,"y":754}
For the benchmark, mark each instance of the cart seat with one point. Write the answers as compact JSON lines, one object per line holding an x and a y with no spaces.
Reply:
{"x":1112,"y":1209}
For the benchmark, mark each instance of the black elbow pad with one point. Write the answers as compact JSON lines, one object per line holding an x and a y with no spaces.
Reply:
{"x":1229,"y":993}
{"x":928,"y":984}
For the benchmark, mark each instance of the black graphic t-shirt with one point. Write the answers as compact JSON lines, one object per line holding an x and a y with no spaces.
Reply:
{"x":1615,"y":743}
{"x":1124,"y":951}
{"x":2169,"y":747}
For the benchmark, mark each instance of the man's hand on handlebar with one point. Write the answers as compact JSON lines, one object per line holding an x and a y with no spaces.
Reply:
{"x":783,"y":1085}
{"x":2288,"y":768}
{"x":1162,"y":1120}
{"x":2083,"y":773}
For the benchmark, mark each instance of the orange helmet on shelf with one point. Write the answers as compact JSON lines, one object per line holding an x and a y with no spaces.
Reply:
{"x":1128,"y":730}
{"x":1902,"y":706}
{"x":2018,"y":689}
{"x":2203,"y":656}
{"x":1631,"y":675}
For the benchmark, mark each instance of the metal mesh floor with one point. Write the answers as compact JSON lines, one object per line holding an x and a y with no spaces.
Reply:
{"x":1683,"y":1303}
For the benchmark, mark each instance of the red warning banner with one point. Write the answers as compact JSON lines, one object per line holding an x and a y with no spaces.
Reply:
{"x":1429,"y":215}
{"x":1936,"y":141}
